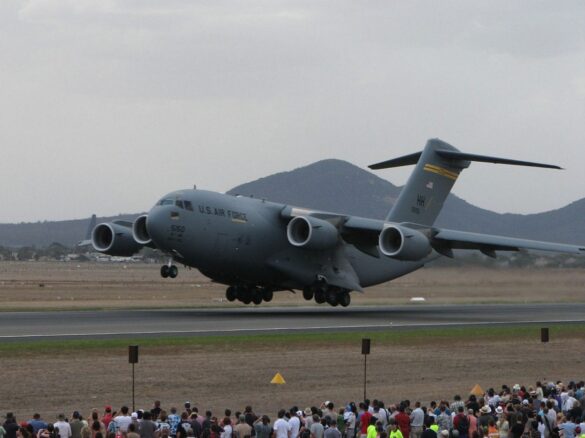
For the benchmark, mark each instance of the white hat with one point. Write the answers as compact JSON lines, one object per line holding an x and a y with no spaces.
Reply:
{"x":134,"y":415}
{"x":499,"y":410}
{"x":524,"y":402}
{"x":485,"y":409}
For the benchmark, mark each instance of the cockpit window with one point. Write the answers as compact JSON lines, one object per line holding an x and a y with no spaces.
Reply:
{"x":179,"y":203}
{"x":166,"y":201}
{"x":188,"y":205}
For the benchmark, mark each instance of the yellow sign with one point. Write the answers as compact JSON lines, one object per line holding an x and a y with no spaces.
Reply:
{"x":477,"y":391}
{"x":278,"y":379}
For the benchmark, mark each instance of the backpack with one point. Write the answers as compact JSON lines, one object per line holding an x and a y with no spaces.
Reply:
{"x":463,"y":425}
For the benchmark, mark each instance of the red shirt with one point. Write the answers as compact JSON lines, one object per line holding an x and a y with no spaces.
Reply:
{"x":403,"y":421}
{"x":365,"y":422}
{"x":107,"y":419}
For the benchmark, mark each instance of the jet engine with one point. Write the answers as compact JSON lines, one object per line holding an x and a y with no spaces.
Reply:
{"x":114,"y":239}
{"x":311,"y":233}
{"x":404,"y":243}
{"x":140,"y":232}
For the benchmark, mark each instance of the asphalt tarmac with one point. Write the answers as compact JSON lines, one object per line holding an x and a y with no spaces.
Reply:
{"x":20,"y":326}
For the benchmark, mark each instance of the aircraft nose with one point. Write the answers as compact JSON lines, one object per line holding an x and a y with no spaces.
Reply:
{"x":157,"y":225}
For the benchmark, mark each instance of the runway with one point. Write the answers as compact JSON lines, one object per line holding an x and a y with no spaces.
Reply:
{"x":20,"y":326}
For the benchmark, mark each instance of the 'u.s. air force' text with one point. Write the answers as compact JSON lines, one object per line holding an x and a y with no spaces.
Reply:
{"x":234,"y":215}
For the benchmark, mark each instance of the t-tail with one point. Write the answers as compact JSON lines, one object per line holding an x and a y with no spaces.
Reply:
{"x":437,"y":168}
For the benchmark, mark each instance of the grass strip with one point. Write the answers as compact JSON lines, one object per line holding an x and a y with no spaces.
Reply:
{"x":404,"y":336}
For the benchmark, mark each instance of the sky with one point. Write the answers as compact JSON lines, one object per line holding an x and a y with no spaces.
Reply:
{"x":106,"y":105}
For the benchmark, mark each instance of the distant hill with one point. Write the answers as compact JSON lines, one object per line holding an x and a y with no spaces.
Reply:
{"x":335,"y":185}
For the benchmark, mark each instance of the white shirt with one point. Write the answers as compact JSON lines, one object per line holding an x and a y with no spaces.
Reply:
{"x":123,"y":421}
{"x":281,"y":428}
{"x":227,"y":432}
{"x":295,"y":425}
{"x":64,"y":429}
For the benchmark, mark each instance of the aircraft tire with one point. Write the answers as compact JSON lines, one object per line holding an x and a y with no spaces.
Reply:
{"x":164,"y":271}
{"x":344,"y":299}
{"x":331,"y":298}
{"x":267,"y":295}
{"x":173,"y":271}
{"x":308,"y":293}
{"x":244,"y":295}
{"x":320,"y":297}
{"x":257,"y":297}
{"x":231,"y":294}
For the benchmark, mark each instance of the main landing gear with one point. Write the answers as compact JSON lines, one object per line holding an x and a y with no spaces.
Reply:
{"x":323,"y":293}
{"x":248,"y":295}
{"x":167,"y":271}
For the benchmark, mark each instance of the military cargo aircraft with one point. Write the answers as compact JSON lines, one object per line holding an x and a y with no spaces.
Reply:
{"x":256,"y":247}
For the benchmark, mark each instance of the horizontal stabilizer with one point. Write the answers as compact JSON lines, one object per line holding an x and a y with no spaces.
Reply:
{"x":456,"y":155}
{"x":406,"y":160}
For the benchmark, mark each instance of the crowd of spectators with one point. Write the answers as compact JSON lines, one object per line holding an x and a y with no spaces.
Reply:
{"x":546,"y":410}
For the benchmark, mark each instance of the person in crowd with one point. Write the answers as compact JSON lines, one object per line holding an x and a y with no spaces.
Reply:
{"x":262,"y":427}
{"x":107,"y":417}
{"x":37,"y":423}
{"x":317,"y":429}
{"x":62,"y":426}
{"x":417,"y":418}
{"x":281,"y":427}
{"x":10,"y":426}
{"x":403,"y":419}
{"x":242,"y":428}
{"x":332,"y":431}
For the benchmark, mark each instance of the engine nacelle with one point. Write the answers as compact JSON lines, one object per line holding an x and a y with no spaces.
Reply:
{"x":404,"y":243}
{"x":139,"y":230}
{"x":114,"y":239}
{"x":311,"y":233}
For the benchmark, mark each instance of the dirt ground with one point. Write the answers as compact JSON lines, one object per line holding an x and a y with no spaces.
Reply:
{"x":216,"y":377}
{"x":58,"y":285}
{"x":235,"y":374}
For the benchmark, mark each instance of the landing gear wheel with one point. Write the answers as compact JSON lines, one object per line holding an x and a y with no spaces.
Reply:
{"x":173,"y":271}
{"x":244,"y":295}
{"x":267,"y":295}
{"x":231,"y":294}
{"x":164,"y":271}
{"x":320,"y":297}
{"x":344,"y":299}
{"x":308,"y":293}
{"x":257,"y":297}
{"x":331,"y":298}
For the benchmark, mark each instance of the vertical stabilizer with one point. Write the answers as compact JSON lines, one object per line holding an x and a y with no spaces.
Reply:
{"x":437,"y":169}
{"x":428,"y":186}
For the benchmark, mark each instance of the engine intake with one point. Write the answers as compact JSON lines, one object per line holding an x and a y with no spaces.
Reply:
{"x":140,"y":231}
{"x":114,"y":239}
{"x":311,"y":233}
{"x":404,"y":243}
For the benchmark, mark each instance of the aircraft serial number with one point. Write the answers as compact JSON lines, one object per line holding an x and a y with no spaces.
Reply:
{"x":178,"y":228}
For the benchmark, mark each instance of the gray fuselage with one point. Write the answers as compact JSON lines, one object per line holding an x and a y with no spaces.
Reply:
{"x":242,"y":240}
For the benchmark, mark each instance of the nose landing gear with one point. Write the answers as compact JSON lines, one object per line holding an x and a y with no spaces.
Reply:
{"x":169,"y":270}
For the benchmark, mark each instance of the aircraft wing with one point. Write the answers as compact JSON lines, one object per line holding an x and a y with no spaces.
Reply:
{"x":487,"y":243}
{"x":363,"y":234}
